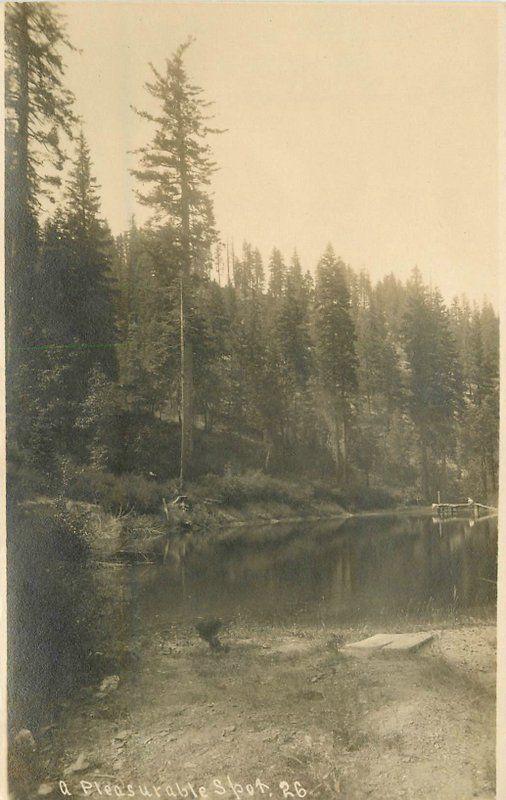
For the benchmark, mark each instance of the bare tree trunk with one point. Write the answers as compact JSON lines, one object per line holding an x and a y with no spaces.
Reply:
{"x":186,"y":343}
{"x":331,"y":421}
{"x":267,"y":460}
{"x":345,"y":440}
{"x":444,"y":475}
{"x":336,"y":446}
{"x":484,"y":479}
{"x":186,"y":389}
{"x":425,"y":470}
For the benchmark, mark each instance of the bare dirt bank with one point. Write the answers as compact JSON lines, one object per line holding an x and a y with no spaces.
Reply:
{"x":281,"y":713}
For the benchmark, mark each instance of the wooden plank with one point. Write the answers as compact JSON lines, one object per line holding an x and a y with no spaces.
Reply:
{"x":407,"y":642}
{"x":376,"y":642}
{"x":389,"y":642}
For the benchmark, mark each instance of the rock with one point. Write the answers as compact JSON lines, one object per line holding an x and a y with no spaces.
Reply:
{"x":45,"y":789}
{"x":122,"y":735}
{"x":109,"y":684}
{"x":24,"y":741}
{"x":79,"y":765}
{"x":228,"y":729}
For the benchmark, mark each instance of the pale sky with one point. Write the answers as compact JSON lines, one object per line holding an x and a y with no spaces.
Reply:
{"x":373,"y":126}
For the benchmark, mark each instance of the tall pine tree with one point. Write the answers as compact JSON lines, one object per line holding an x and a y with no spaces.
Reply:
{"x":177,"y":165}
{"x":76,"y":313}
{"x":336,"y":359}
{"x":434,"y":385}
{"x":38,"y":111}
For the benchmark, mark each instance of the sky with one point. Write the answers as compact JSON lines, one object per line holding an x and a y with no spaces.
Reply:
{"x":371,"y":126}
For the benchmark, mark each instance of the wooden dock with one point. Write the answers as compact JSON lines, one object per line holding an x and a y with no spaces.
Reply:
{"x":446,"y":510}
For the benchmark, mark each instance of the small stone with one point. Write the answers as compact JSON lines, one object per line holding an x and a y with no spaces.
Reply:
{"x":122,"y":735}
{"x":45,"y":789}
{"x":109,"y":684}
{"x":79,"y":765}
{"x":24,"y":740}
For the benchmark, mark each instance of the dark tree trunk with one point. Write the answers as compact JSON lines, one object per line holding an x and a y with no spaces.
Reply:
{"x":186,"y":391}
{"x":19,"y":224}
{"x":425,"y":470}
{"x":484,"y":479}
{"x":344,"y":438}
{"x":186,"y":343}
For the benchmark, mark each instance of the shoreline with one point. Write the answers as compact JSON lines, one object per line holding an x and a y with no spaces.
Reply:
{"x":195,"y":716}
{"x":280,"y":701}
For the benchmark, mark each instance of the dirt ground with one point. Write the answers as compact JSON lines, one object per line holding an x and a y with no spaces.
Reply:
{"x":282,"y":713}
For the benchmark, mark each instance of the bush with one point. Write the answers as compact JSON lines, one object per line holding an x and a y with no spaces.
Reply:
{"x":118,"y":493}
{"x":368,"y":498}
{"x":254,"y":487}
{"x":50,"y":529}
{"x":24,"y":482}
{"x":329,"y":494}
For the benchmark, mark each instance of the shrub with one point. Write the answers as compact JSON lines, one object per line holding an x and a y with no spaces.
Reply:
{"x":24,"y":482}
{"x":329,"y":494}
{"x":118,"y":493}
{"x":368,"y":498}
{"x":254,"y":487}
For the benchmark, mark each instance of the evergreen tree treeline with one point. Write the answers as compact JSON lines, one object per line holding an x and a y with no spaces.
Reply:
{"x":125,"y":353}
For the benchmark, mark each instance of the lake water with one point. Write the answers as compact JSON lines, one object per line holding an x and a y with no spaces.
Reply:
{"x":69,"y":620}
{"x":335,"y":573}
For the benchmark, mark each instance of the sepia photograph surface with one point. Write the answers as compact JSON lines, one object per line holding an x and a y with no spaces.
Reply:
{"x":252,"y":399}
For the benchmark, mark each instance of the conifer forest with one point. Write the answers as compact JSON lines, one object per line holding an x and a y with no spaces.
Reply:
{"x":168,"y":380}
{"x":287,"y":368}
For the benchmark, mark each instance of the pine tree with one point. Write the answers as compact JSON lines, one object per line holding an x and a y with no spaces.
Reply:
{"x":277,"y":275}
{"x":336,"y":360}
{"x":434,"y":386}
{"x":177,"y":165}
{"x":90,"y":266}
{"x":290,"y":339}
{"x":391,"y":296}
{"x":380,"y":376}
{"x":211,"y":326}
{"x":149,"y":359}
{"x":292,"y":326}
{"x":480,"y":423}
{"x":38,"y":111}
{"x":75,"y":314}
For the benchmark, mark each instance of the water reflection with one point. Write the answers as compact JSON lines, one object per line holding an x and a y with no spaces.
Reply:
{"x":359,"y":570}
{"x":72,"y":622}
